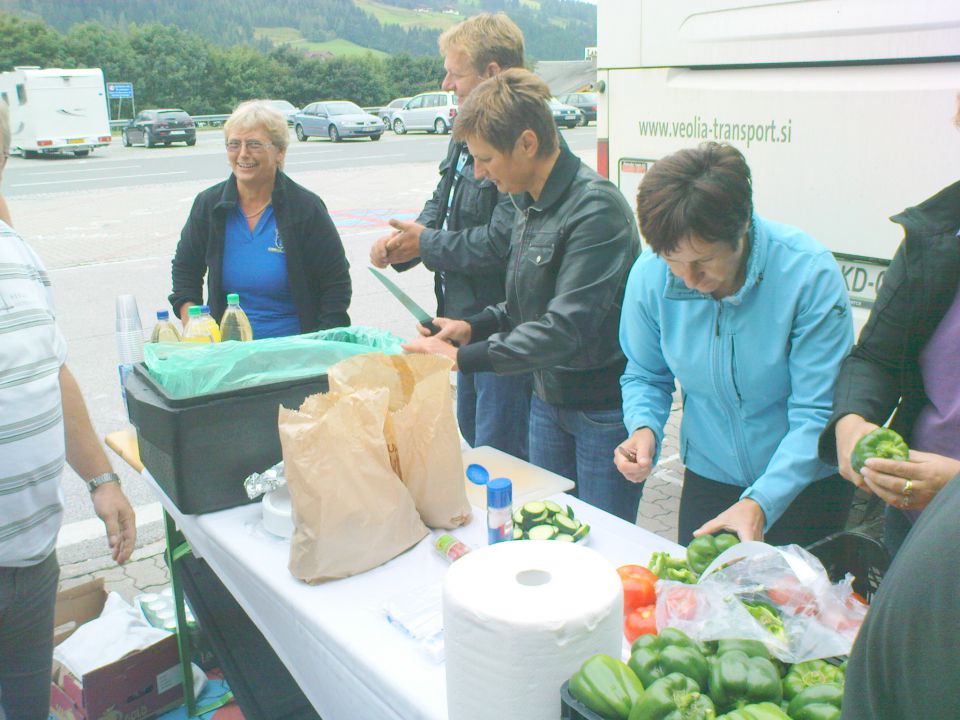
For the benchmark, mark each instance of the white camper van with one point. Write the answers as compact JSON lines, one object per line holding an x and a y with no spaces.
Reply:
{"x":843,"y":108}
{"x":56,"y":111}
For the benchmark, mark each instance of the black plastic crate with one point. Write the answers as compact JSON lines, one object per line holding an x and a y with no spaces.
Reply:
{"x":200,"y":449}
{"x":573,"y":709}
{"x":862,"y":556}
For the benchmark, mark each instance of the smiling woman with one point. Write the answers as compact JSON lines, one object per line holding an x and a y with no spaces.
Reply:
{"x":261,"y":235}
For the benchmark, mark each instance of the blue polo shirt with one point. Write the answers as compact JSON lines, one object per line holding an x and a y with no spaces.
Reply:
{"x":255,"y":267}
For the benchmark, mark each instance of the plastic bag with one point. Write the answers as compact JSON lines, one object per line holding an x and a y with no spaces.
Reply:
{"x":188,"y":369}
{"x":781,"y":596}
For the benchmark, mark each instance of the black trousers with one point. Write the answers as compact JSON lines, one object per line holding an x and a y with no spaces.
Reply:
{"x":818,"y":511}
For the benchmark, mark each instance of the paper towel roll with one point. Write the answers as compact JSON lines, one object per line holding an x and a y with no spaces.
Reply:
{"x":519,"y":618}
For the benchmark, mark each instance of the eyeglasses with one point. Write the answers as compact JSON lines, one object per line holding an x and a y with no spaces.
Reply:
{"x":254,"y":146}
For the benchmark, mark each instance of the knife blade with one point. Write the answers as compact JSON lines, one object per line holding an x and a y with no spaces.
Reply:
{"x":422,"y":316}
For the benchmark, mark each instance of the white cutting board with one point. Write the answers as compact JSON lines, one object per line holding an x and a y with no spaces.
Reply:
{"x":529,"y":481}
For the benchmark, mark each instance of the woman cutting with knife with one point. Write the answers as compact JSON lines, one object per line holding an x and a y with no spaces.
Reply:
{"x":752,"y":318}
{"x":572,"y":244}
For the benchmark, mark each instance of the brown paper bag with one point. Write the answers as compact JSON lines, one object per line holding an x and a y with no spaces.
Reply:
{"x":350,"y":510}
{"x":422,"y":428}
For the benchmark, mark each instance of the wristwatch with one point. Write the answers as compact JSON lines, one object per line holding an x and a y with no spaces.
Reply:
{"x":95,"y":482}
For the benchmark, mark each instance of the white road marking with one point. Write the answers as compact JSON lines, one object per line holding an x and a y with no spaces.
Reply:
{"x":116,"y":177}
{"x":86,"y":170}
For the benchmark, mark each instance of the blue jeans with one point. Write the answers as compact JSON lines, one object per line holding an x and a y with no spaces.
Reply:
{"x":27,"y":599}
{"x":579,"y":444}
{"x":494,"y":410}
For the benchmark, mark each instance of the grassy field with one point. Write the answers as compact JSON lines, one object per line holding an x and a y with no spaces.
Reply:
{"x":293,"y":38}
{"x":390,"y":15}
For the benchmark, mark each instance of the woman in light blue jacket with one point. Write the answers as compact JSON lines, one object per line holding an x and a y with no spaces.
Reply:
{"x":753,"y":319}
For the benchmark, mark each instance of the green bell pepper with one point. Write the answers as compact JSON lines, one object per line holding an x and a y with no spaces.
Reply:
{"x":736,"y":680}
{"x":703,"y":550}
{"x":753,"y":648}
{"x":607,"y":686}
{"x":757,"y":711}
{"x":810,"y":673}
{"x":654,"y":656}
{"x":819,"y":702}
{"x":674,"y":697}
{"x":881,"y":443}
{"x":666,"y":567}
{"x":768,"y":616}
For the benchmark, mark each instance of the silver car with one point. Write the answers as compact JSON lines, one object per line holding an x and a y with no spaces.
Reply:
{"x":285,"y":108}
{"x":430,"y":111}
{"x":336,"y":119}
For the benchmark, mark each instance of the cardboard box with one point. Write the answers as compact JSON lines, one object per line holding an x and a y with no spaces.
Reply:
{"x":138,"y":686}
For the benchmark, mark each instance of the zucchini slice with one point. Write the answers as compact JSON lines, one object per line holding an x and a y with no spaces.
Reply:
{"x":565,"y":524}
{"x":533,"y":509}
{"x":543,"y":532}
{"x":552,"y":507}
{"x":581,"y":532}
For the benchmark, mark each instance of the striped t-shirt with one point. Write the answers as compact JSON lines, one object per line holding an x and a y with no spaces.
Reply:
{"x":32,"y":349}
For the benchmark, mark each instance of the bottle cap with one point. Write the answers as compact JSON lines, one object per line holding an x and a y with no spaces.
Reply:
{"x":194,"y":311}
{"x":204,"y":309}
{"x":163,"y":314}
{"x":233,"y":299}
{"x":499,"y":493}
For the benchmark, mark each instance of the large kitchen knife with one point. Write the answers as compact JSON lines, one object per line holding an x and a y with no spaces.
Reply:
{"x":422,"y":316}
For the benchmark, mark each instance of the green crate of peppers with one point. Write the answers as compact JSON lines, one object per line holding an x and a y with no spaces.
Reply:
{"x":673,"y":677}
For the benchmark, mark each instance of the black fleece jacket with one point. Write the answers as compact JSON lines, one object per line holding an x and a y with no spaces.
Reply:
{"x":317,"y":267}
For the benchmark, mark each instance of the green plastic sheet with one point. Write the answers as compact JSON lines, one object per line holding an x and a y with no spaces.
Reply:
{"x":187,"y":369}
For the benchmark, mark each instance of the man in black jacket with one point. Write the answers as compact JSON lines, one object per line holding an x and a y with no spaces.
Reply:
{"x":463,"y":235}
{"x":572,"y":246}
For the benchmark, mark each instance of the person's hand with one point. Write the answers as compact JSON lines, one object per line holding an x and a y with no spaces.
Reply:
{"x":745,"y":518}
{"x":185,"y":313}
{"x":457,"y":332}
{"x":909,"y":483}
{"x":432,"y":345}
{"x":113,"y":508}
{"x":848,"y":430}
{"x":634,"y":456}
{"x":404,"y":244}
{"x":379,"y":254}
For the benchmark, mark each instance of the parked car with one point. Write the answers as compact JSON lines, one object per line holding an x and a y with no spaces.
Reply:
{"x":387,"y":112}
{"x":430,"y":111}
{"x":565,"y":114}
{"x":286,"y":108}
{"x":153,"y":127}
{"x":336,"y":119}
{"x":585,"y":102}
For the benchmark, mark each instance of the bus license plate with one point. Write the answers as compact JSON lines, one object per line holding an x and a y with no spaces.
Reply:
{"x":862,"y":277}
{"x":75,"y":141}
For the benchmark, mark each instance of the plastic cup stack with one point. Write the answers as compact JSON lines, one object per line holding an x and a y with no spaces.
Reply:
{"x":129,"y":338}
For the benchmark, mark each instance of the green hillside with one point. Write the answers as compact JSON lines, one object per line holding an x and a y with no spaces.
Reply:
{"x":294,"y":38}
{"x":392,"y":15}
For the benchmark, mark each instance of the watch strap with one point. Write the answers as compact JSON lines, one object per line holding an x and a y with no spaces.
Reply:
{"x":95,"y":482}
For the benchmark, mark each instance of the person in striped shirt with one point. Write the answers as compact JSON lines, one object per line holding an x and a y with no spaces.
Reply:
{"x":43,"y":423}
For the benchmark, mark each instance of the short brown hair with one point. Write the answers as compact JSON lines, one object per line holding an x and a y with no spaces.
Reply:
{"x":704,"y":191}
{"x":485,"y":38}
{"x":502,"y":107}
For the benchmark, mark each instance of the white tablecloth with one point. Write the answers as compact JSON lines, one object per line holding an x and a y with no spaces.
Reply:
{"x":351,"y":663}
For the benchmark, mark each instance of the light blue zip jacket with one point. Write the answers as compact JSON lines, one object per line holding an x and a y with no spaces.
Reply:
{"x":756,"y":369}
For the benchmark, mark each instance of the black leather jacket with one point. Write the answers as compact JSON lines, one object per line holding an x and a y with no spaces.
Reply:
{"x":882,"y":372}
{"x":570,"y":254}
{"x":477,"y":237}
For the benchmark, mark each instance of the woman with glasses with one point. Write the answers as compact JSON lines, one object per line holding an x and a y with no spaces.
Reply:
{"x":263,"y":236}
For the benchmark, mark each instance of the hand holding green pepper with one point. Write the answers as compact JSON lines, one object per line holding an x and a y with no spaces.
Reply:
{"x":881,"y":443}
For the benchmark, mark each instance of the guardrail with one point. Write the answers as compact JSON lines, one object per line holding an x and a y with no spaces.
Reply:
{"x":200,"y":120}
